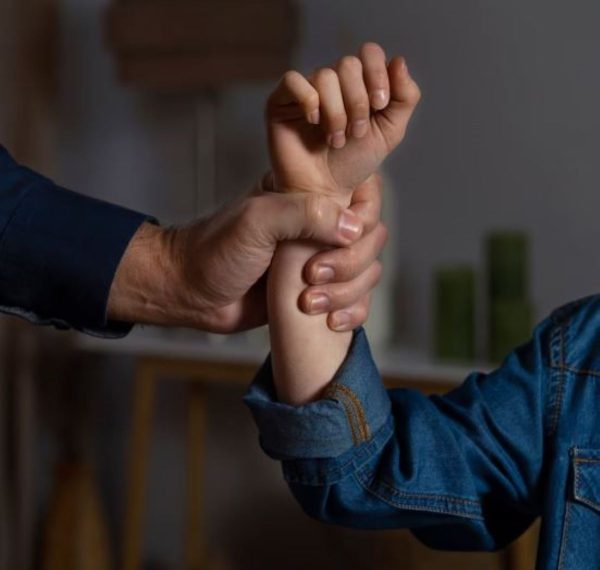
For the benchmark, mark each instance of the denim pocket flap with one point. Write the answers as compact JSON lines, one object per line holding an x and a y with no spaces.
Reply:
{"x":586,"y":476}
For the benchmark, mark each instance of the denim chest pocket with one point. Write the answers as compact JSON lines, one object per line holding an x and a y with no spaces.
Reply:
{"x":580,"y":544}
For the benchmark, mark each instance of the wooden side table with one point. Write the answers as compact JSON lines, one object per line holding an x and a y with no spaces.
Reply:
{"x":203,"y":365}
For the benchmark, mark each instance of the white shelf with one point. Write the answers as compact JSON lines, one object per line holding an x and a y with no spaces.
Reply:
{"x":151,"y":341}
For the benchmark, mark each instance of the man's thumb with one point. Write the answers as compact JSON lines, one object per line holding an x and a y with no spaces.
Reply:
{"x":309,"y":215}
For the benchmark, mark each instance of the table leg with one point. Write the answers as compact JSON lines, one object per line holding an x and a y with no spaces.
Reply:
{"x":195,"y":546}
{"x":521,"y":554}
{"x":25,"y":416}
{"x":139,"y":450}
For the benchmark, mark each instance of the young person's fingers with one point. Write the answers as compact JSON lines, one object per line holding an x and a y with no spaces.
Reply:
{"x":375,"y":75}
{"x":272,"y":217}
{"x":354,"y":92}
{"x":405,"y":95}
{"x":404,"y":90}
{"x":350,"y":318}
{"x":295,"y":88}
{"x":336,"y":296}
{"x":346,"y":263}
{"x":366,"y":202}
{"x":333,"y":112}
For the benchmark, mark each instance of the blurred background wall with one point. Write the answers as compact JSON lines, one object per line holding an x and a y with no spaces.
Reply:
{"x":506,"y":136}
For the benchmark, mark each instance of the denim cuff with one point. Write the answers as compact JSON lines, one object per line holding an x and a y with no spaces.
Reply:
{"x":354,"y":407}
{"x":59,"y":252}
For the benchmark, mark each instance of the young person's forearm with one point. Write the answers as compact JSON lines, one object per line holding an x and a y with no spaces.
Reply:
{"x":305,"y":353}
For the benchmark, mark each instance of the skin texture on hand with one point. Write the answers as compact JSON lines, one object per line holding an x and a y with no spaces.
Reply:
{"x":210,"y":275}
{"x":356,"y":267}
{"x":327,"y":134}
{"x":142,"y":289}
{"x":348,"y":142}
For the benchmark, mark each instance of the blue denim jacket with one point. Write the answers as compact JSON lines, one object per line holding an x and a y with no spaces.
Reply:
{"x":469,"y":470}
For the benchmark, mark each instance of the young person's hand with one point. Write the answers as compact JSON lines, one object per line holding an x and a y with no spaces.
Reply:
{"x":329,"y":131}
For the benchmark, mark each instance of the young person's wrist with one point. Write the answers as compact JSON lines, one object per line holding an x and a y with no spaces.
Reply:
{"x":295,"y":336}
{"x":271,"y":183}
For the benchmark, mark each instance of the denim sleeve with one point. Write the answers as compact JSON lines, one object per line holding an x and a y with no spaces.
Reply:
{"x":59,"y":252}
{"x":461,"y":470}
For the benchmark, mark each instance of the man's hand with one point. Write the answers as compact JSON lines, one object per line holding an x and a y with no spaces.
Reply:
{"x":340,"y":276}
{"x":210,"y":275}
{"x":330,"y":131}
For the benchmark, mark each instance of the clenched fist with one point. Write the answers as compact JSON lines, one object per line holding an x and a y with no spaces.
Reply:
{"x":329,"y":131}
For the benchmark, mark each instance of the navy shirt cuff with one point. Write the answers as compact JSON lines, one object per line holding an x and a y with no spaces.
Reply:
{"x":59,"y":253}
{"x":354,"y":408}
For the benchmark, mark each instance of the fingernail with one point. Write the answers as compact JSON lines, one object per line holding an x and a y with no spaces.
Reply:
{"x":378,"y":99}
{"x":314,"y":117}
{"x":341,"y":321}
{"x":338,"y":140}
{"x":359,"y":128}
{"x":319,"y":303}
{"x":349,"y":225}
{"x":323,"y":274}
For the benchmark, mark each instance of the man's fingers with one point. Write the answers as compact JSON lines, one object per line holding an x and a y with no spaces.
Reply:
{"x":333,"y":112}
{"x":366,"y":202}
{"x":346,"y":263}
{"x":350,"y":318}
{"x":295,"y":88}
{"x":405,"y":95}
{"x":375,"y":75}
{"x":337,"y":296}
{"x":356,"y":97}
{"x":277,"y":217}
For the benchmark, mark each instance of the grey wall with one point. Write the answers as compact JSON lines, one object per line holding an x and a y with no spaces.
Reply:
{"x":506,"y":136}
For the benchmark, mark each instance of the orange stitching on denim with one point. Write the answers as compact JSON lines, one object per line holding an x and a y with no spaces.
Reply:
{"x":561,"y":385}
{"x":424,"y":508}
{"x":574,"y":370}
{"x":564,"y":538}
{"x":349,"y":415}
{"x":448,"y":498}
{"x":353,"y":409}
{"x":371,"y":475}
{"x":364,"y":428}
{"x":578,"y":495}
{"x":342,"y":468}
{"x":331,"y":392}
{"x":557,"y":404}
{"x":577,"y":483}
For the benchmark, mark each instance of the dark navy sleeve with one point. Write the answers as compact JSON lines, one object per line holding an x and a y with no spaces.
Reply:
{"x":59,"y":251}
